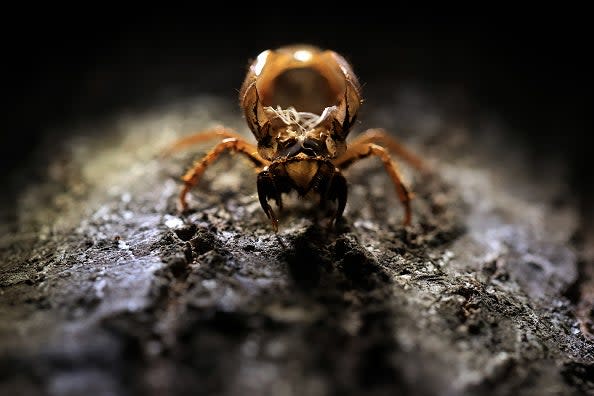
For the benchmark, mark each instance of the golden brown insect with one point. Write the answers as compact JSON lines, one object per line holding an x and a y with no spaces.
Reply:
{"x":301,"y":102}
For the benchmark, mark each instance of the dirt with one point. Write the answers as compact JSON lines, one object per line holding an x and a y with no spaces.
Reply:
{"x":106,"y":289}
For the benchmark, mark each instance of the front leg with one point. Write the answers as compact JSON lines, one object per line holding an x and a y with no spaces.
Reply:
{"x":192,"y":177}
{"x":338,"y":191}
{"x":267,"y":189}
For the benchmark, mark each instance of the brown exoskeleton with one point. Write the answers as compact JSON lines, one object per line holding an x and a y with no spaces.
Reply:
{"x":301,"y":102}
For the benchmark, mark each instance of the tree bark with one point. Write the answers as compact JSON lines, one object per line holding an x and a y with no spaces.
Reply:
{"x":105,"y":289}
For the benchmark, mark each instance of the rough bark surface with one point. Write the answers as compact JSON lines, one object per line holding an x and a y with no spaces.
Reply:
{"x":106,"y":290}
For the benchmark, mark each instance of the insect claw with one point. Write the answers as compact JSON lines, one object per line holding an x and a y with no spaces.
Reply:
{"x":407,"y":218}
{"x":274,"y":224}
{"x":273,"y":220}
{"x":182,"y":203}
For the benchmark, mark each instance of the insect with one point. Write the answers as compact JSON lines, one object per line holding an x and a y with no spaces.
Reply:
{"x":301,"y":102}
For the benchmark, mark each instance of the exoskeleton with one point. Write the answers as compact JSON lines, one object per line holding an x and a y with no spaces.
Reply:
{"x":300,"y":102}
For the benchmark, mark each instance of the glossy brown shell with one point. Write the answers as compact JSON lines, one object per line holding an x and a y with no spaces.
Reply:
{"x":304,"y":77}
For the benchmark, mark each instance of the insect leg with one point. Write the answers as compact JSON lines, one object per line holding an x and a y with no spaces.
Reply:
{"x":338,"y":191}
{"x":192,"y":177}
{"x":267,"y":189}
{"x":220,"y":132}
{"x":331,"y":185}
{"x":364,"y":150}
{"x":381,"y":137}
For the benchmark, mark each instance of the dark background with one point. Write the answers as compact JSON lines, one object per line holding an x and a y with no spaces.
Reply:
{"x":530,"y":69}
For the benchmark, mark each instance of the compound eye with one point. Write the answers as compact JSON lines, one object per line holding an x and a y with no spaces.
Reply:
{"x":289,"y":147}
{"x":311,"y":144}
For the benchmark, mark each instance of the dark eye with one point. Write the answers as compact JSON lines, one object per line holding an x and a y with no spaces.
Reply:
{"x":311,"y":144}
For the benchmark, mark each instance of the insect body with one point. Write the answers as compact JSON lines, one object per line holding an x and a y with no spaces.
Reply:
{"x":301,"y":102}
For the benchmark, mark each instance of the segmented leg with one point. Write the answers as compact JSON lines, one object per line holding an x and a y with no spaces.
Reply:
{"x":331,"y":185}
{"x":267,"y":189}
{"x":380,"y":136}
{"x":364,"y":150}
{"x":338,"y":191}
{"x":192,"y":177}
{"x":202,"y":136}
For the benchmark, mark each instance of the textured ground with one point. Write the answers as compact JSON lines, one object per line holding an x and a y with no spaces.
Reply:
{"x":106,"y":290}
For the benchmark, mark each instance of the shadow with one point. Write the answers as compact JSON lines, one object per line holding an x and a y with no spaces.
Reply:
{"x":306,"y":258}
{"x":355,"y":344}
